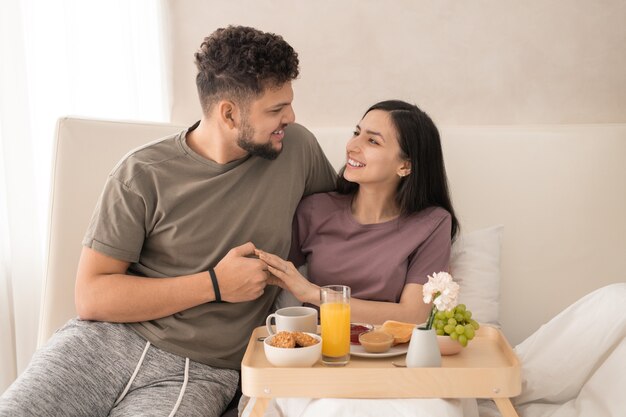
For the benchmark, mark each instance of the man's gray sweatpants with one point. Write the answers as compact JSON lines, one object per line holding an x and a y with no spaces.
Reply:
{"x":86,"y":367}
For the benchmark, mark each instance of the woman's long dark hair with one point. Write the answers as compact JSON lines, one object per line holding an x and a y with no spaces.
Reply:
{"x":427,"y":184}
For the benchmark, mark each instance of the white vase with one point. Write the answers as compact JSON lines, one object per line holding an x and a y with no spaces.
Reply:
{"x":423,"y":349}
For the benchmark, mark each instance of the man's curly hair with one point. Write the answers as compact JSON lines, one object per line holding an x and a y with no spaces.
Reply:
{"x":239,"y":62}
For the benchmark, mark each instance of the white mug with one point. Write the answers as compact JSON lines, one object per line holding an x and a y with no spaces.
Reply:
{"x":293,"y":319}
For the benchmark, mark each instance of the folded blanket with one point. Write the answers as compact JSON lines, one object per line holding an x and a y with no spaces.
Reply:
{"x":575,"y":365}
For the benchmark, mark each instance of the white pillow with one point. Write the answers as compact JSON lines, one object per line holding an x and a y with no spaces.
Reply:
{"x":475,"y":266}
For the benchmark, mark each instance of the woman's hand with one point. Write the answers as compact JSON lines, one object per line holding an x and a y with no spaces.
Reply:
{"x":288,"y":277}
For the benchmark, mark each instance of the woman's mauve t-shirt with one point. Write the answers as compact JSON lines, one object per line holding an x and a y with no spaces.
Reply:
{"x":374,"y":260}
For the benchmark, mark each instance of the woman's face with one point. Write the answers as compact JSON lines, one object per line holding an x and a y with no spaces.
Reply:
{"x":373,"y":152}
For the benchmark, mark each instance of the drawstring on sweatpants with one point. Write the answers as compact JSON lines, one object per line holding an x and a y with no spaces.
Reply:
{"x":132,"y":378}
{"x":182,"y":390}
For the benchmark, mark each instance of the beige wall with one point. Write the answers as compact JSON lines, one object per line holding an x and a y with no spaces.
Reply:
{"x":463,"y":62}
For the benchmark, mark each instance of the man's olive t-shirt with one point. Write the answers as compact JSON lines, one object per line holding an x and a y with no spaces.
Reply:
{"x":170,"y":212}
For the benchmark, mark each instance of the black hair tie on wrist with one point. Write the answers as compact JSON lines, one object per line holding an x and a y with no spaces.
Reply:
{"x":216,"y":287}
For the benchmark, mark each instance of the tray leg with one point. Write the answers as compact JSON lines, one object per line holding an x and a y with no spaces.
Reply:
{"x":260,"y":405}
{"x":505,"y":407}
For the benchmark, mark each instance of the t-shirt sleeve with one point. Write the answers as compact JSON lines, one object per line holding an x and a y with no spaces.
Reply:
{"x":117,"y":227}
{"x":321,"y":175}
{"x":295,"y":253}
{"x":433,"y":255}
{"x":300,"y":227}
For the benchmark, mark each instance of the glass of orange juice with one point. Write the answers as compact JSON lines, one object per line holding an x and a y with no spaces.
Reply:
{"x":335,"y":324}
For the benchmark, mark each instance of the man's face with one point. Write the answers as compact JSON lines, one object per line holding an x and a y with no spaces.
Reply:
{"x":262,"y":124}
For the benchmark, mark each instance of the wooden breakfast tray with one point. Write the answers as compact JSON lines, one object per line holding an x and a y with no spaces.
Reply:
{"x":486,"y":368}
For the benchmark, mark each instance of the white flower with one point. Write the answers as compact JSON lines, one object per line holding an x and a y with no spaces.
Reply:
{"x":442,"y":291}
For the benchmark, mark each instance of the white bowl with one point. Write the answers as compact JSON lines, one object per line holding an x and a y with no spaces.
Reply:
{"x":448,"y":346}
{"x":376,"y":341}
{"x":299,"y":357}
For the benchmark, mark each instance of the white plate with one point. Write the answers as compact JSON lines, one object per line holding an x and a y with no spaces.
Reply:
{"x":358,"y":350}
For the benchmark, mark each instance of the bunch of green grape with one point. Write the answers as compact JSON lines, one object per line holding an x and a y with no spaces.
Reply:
{"x":457,"y":323}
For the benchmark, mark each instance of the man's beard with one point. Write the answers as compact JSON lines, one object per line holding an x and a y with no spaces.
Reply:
{"x":263,"y":150}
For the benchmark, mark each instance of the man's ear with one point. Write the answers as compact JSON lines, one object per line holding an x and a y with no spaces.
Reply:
{"x":227,"y":113}
{"x":404,"y":169}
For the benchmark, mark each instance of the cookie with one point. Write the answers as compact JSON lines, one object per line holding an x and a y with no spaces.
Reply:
{"x":303,"y":339}
{"x":283,"y":340}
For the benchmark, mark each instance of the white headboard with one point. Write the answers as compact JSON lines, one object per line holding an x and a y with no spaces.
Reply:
{"x":559,"y":192}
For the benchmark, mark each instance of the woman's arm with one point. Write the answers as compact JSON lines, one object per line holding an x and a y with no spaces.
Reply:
{"x":411,"y":307}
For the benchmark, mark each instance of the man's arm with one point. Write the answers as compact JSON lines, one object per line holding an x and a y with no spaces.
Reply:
{"x":104,"y":291}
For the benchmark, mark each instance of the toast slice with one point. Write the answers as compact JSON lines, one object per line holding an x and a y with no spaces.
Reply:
{"x":400,"y":331}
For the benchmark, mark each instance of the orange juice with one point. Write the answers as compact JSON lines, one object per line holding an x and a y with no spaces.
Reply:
{"x":335,"y":323}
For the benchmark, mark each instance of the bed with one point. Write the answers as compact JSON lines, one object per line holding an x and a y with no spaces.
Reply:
{"x":541,"y":211}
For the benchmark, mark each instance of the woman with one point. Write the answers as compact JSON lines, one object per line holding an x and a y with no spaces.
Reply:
{"x":388,"y":226}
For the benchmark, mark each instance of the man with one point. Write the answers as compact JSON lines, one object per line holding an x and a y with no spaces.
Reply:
{"x":167,"y":288}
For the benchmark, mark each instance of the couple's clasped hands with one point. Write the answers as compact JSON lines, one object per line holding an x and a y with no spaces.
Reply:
{"x":285,"y":275}
{"x":243,"y":277}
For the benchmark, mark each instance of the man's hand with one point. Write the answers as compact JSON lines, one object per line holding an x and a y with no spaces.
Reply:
{"x":240,"y":277}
